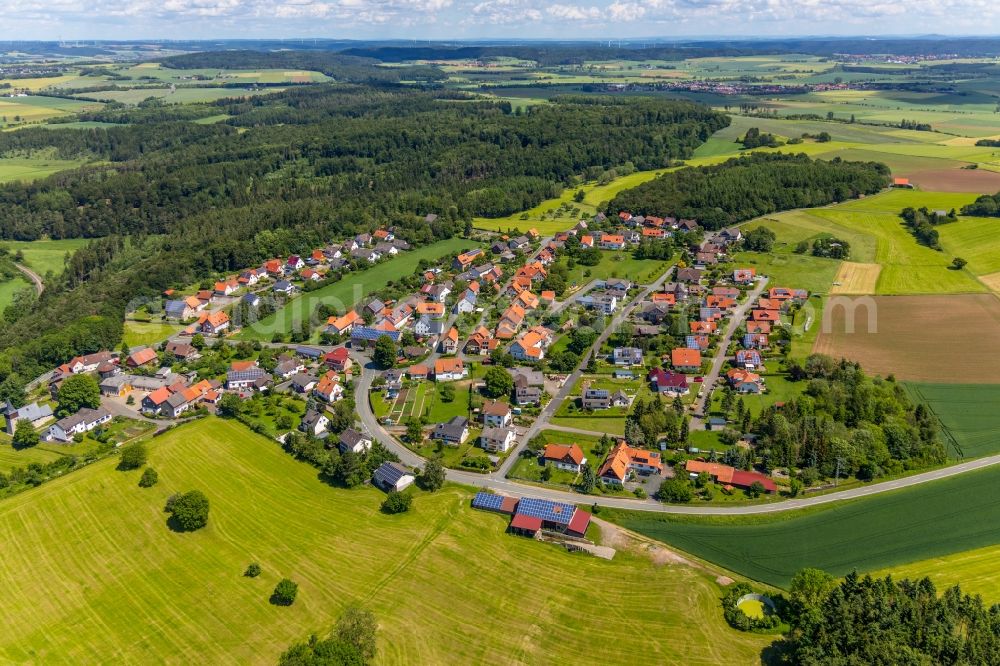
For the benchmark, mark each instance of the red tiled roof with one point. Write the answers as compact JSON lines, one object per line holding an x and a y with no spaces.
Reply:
{"x":523,"y":522}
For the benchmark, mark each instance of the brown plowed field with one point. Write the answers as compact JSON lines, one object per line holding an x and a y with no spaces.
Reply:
{"x":951,"y":339}
{"x":956,"y":180}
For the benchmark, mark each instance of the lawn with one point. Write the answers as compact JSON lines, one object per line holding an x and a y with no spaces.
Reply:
{"x":43,"y":256}
{"x":615,"y":264}
{"x":931,"y":520}
{"x":147,"y":333}
{"x":349,"y":291}
{"x":64,"y":567}
{"x":610,"y":425}
{"x":10,"y":287}
{"x":26,"y":169}
{"x":11,"y":457}
{"x":968,"y":413}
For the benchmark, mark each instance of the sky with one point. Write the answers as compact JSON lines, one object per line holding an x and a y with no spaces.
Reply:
{"x":483,"y":19}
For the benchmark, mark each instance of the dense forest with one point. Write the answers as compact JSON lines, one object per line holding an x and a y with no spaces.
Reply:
{"x":379,"y":147}
{"x":750,"y":186}
{"x":987,"y":205}
{"x":341,"y":67}
{"x":884,"y":622}
{"x":848,"y":422}
{"x":176,"y":202}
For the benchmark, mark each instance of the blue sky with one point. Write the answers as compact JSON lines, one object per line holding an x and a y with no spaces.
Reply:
{"x":472,"y":19}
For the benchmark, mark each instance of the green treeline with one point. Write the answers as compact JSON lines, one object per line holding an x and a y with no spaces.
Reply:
{"x":922,"y":222}
{"x":750,"y":186}
{"x":987,"y":205}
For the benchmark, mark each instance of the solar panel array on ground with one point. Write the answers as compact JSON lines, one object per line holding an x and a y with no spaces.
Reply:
{"x":550,"y":512}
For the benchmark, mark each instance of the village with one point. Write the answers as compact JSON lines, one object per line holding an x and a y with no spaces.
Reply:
{"x":496,"y":362}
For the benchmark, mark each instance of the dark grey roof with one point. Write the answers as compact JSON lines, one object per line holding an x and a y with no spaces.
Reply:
{"x":85,"y":415}
{"x":351,"y":438}
{"x":389,"y":473}
{"x":452,"y":429}
{"x":302,"y":380}
{"x":311,"y":418}
{"x":177,"y":400}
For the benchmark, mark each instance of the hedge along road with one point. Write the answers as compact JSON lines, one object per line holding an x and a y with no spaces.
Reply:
{"x":501,"y":484}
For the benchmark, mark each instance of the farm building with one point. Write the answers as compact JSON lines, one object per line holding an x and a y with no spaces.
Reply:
{"x":392,"y":476}
{"x":531,"y":515}
{"x":730,"y":476}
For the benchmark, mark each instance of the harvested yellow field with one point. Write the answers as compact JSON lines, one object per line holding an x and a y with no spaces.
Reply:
{"x":992,"y":281}
{"x":856,"y":278}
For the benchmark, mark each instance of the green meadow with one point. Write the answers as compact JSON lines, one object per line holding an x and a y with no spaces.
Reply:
{"x":92,"y":551}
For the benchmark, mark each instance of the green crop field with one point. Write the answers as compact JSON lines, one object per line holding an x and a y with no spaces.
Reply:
{"x":350,"y":290}
{"x":907,"y":266}
{"x":976,"y":240}
{"x":969,"y":415}
{"x":92,"y":551}
{"x":174,"y":96}
{"x":19,"y":110}
{"x":977,"y":571}
{"x":931,"y":520}
{"x":27,"y":169}
{"x":43,"y":256}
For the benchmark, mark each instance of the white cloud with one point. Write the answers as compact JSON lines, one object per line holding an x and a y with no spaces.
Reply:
{"x":573,"y":12}
{"x":456,"y":19}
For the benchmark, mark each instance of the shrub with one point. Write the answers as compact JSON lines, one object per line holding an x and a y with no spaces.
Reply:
{"x":189,"y":512}
{"x":149,"y":478}
{"x":252,"y":570}
{"x":133,"y":457}
{"x":396,"y":502}
{"x":284,"y":593}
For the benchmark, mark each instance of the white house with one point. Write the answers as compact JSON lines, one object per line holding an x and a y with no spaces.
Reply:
{"x":497,"y":440}
{"x":83,"y":421}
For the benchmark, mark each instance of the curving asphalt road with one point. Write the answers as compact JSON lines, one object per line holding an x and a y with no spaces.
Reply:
{"x":497,"y":482}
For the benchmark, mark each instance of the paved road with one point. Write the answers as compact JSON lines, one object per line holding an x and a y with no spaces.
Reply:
{"x":35,"y":278}
{"x":495,"y":481}
{"x":736,"y":318}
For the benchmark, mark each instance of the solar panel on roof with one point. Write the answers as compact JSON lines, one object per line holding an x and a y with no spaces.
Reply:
{"x":487,"y":501}
{"x":552,"y":512}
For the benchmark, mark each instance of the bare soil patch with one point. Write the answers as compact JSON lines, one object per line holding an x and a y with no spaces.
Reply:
{"x":943,"y":339}
{"x":992,"y":281}
{"x":855,"y":278}
{"x":956,"y":180}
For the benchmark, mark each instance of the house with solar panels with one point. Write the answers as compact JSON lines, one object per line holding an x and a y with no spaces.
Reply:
{"x":530,"y":515}
{"x":364,"y":336}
